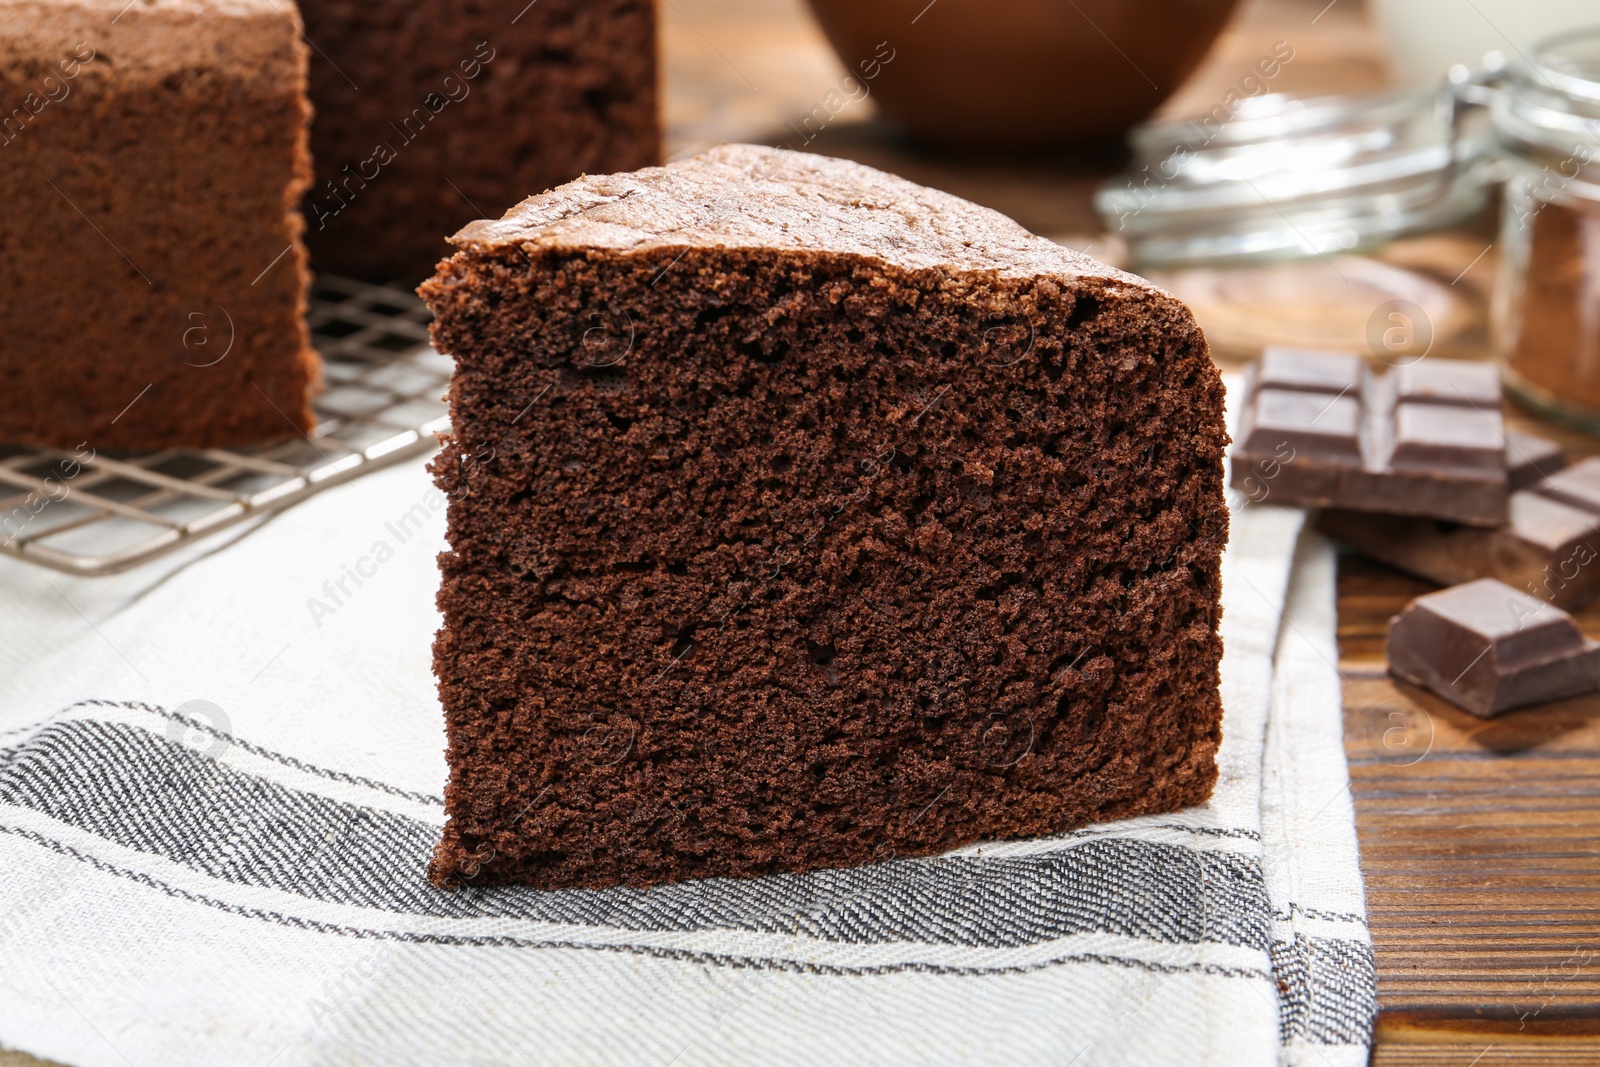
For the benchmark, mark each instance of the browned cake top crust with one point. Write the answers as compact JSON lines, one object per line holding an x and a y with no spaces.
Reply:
{"x":161,"y":38}
{"x":752,"y":197}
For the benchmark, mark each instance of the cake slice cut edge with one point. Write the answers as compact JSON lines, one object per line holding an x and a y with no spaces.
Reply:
{"x":155,"y":268}
{"x":802,"y":517}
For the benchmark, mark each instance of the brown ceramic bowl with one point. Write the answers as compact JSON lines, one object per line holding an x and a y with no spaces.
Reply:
{"x":1019,"y":73}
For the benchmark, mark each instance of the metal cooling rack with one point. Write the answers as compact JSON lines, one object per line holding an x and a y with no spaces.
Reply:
{"x":381,"y":403}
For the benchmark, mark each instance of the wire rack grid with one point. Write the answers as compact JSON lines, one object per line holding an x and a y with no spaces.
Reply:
{"x":381,"y":403}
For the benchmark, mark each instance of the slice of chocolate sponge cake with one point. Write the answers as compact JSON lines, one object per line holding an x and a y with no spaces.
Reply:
{"x":152,"y":279}
{"x":801,"y":516}
{"x":431,"y":111}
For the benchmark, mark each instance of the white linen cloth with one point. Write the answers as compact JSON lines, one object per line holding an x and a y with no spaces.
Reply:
{"x":219,"y":782}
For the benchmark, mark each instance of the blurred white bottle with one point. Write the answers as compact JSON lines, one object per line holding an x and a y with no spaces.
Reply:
{"x":1427,"y":36}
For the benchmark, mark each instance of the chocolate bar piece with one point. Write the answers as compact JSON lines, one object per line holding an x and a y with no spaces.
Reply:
{"x":1487,"y":648}
{"x":1550,"y":548}
{"x":1530,"y":458}
{"x":1320,"y":429}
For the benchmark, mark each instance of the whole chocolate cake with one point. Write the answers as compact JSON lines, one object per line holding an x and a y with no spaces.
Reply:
{"x":432,"y":112}
{"x":153,"y":158}
{"x":801,"y":516}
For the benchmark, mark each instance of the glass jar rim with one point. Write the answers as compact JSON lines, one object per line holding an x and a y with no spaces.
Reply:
{"x":1576,"y":75}
{"x":1288,"y":177}
{"x":1548,"y":109}
{"x":1272,"y":116}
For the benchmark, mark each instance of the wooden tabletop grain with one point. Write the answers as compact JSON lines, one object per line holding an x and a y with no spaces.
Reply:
{"x":1480,"y":843}
{"x":1480,"y":840}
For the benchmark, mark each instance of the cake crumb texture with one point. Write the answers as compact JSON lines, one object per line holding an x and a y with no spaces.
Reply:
{"x":432,"y":112}
{"x":153,"y":157}
{"x":801,"y":517}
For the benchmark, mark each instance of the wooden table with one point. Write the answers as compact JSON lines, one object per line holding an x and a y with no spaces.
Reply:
{"x":1480,"y":840}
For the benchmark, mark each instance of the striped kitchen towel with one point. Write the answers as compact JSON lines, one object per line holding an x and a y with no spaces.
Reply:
{"x":219,"y":785}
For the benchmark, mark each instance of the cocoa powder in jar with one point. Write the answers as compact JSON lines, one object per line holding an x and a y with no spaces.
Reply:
{"x":1555,"y":345}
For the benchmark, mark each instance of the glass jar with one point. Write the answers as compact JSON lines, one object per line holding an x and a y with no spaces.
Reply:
{"x":1286,"y":178}
{"x":1546,"y":314}
{"x":1275,"y":218}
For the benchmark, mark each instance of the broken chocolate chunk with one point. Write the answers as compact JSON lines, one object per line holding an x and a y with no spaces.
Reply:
{"x":1549,"y":548}
{"x":1530,"y":458}
{"x":1486,"y":648}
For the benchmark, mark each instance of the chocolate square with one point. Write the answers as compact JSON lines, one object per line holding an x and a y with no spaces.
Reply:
{"x":1486,"y":648}
{"x":1578,"y":485}
{"x":1449,"y":381}
{"x":1310,"y":371}
{"x":1428,"y":436}
{"x":1318,"y":429}
{"x":1325,"y":426}
{"x":1530,"y":458}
